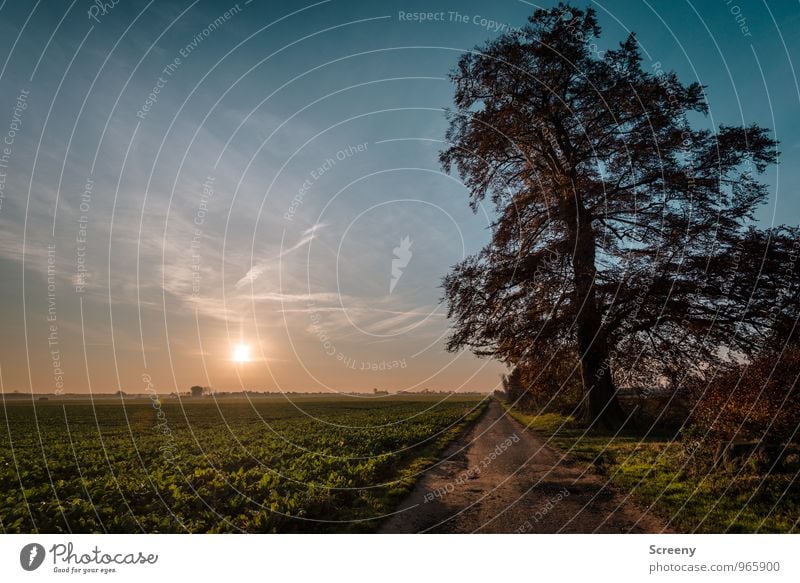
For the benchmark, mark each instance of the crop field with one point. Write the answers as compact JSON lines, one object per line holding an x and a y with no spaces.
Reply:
{"x":260,"y":465}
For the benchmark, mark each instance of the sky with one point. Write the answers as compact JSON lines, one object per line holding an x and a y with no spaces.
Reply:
{"x":247,"y":195}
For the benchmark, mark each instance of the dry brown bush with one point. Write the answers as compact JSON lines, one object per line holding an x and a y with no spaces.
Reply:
{"x":759,"y":401}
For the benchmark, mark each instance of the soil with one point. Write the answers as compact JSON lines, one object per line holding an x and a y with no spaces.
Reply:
{"x":501,"y":477}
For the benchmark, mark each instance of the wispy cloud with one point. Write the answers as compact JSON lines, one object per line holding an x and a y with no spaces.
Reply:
{"x":258,"y":270}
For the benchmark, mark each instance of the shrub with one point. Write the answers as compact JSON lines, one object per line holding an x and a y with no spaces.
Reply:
{"x":552,"y":382}
{"x":759,"y":401}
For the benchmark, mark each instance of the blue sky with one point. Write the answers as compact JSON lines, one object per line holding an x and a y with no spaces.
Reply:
{"x":259,"y":196}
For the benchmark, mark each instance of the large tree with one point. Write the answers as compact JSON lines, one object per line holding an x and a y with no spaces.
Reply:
{"x":623,"y":231}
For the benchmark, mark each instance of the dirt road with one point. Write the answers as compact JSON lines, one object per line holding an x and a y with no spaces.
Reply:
{"x":500,"y":477}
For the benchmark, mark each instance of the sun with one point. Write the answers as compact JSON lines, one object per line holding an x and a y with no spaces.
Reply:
{"x":241,"y":353}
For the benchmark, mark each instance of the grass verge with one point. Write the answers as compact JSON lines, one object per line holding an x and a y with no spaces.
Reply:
{"x":405,"y":480}
{"x":661,"y":474}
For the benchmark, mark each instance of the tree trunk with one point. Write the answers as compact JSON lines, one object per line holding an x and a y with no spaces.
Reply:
{"x":600,"y":406}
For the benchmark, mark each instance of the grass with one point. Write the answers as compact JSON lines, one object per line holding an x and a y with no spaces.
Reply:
{"x":660,"y":474}
{"x":267,"y":465}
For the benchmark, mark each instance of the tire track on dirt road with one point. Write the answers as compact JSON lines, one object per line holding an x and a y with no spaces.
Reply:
{"x":501,"y":477}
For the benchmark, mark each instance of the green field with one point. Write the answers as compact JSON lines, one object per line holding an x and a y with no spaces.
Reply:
{"x":266,"y":465}
{"x":658,"y":473}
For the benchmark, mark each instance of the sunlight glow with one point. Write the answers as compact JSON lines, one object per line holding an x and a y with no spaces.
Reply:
{"x":241,"y":353}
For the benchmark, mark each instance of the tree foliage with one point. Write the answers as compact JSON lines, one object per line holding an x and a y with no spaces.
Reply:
{"x":623,"y":231}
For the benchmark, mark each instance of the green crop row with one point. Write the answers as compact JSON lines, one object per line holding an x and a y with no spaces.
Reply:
{"x":229,"y":466}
